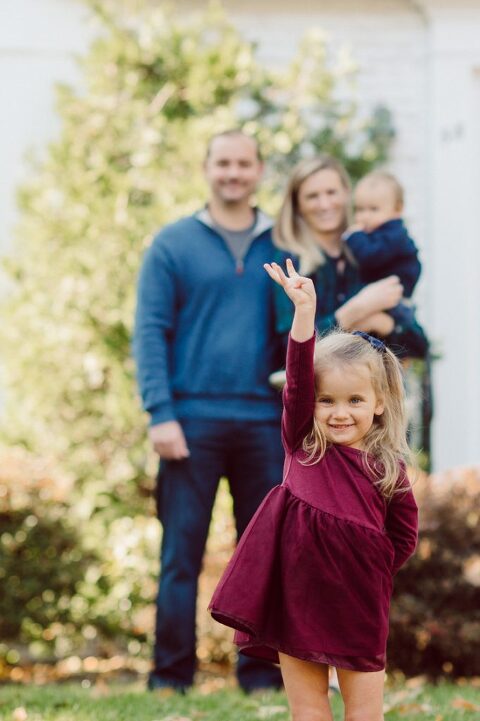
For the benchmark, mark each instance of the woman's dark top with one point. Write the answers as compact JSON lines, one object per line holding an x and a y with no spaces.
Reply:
{"x":336,"y":281}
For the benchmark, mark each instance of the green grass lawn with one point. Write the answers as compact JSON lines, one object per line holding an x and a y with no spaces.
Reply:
{"x":131,"y":703}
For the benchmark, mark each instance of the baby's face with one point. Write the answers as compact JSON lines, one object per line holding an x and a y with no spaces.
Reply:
{"x":374,"y":203}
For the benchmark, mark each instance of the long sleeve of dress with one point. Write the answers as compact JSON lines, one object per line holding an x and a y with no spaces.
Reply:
{"x":401,"y":524}
{"x":298,"y":394}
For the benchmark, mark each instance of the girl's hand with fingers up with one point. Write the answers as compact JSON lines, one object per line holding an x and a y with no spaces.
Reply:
{"x":301,"y":292}
{"x":299,"y":289}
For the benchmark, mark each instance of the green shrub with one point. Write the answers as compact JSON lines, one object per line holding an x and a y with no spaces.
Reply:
{"x":42,"y":558}
{"x":64,"y":587}
{"x":42,"y":564}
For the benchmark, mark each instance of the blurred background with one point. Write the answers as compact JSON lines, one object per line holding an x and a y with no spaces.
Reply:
{"x":106,"y":110}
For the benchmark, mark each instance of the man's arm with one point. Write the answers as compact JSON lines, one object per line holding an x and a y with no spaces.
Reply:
{"x":154,"y":326}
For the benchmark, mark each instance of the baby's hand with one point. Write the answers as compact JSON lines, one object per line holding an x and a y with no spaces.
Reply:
{"x":354,"y":228}
{"x":299,"y":289}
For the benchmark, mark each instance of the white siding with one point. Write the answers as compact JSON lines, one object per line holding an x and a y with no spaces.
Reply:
{"x":37,"y":41}
{"x":454,"y":190}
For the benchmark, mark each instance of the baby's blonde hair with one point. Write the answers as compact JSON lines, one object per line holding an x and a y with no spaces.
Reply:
{"x":385,"y":442}
{"x":381,"y":177}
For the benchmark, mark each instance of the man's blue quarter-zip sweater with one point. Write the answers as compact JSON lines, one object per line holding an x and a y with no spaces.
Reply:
{"x":204,"y":339}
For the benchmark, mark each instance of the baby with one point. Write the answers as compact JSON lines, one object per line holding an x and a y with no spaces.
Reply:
{"x":379,"y":240}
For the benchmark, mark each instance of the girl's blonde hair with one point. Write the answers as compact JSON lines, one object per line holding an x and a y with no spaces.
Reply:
{"x":291,"y":232}
{"x":385,"y":442}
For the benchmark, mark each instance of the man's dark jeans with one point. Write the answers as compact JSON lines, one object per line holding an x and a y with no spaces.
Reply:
{"x":250,"y":455}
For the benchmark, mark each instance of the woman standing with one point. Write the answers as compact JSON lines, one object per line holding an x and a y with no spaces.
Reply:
{"x":312,"y":219}
{"x":313,"y":216}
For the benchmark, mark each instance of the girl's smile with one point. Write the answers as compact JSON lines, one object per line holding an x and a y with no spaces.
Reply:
{"x":346,"y":404}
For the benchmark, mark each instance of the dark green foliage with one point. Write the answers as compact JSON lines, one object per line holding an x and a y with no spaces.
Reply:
{"x":42,"y":564}
{"x":435,"y":620}
{"x":65,"y":584}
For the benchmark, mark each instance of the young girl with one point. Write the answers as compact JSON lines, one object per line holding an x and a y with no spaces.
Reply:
{"x":310,"y":582}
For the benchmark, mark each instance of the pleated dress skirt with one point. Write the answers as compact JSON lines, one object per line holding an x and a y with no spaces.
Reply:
{"x":309,"y":584}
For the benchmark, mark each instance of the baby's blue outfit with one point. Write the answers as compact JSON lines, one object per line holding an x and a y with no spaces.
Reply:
{"x":388,"y":250}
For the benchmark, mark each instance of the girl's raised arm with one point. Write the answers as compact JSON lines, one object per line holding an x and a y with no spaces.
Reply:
{"x":301,"y":292}
{"x":299,"y":391}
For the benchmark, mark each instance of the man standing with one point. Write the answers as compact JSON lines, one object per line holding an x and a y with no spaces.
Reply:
{"x":205,"y":346}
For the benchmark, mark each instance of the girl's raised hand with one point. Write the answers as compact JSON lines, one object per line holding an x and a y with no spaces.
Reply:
{"x":299,"y":289}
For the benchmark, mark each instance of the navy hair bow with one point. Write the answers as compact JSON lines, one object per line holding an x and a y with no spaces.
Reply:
{"x":374,"y":342}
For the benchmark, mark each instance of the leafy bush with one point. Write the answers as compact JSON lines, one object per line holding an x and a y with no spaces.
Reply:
{"x":62,"y":589}
{"x":42,"y":559}
{"x":435,"y":619}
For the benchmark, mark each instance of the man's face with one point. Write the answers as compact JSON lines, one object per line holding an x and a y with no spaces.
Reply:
{"x":232,"y":168}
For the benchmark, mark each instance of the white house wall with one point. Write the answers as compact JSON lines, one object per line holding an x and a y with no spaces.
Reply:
{"x":37,"y":41}
{"x":454,"y":190}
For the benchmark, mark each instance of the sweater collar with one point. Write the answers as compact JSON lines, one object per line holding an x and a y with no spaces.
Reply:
{"x":262,"y":223}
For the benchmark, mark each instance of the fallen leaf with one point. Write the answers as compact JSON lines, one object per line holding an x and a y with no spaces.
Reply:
{"x":101,"y":689}
{"x":165,"y":692}
{"x":400,"y":698}
{"x":412,"y":708}
{"x":464,"y":704}
{"x":269,"y":711}
{"x":416,"y":682}
{"x":19,"y":714}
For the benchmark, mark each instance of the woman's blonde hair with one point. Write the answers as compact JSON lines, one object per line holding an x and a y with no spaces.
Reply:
{"x":291,"y":232}
{"x":385,"y":444}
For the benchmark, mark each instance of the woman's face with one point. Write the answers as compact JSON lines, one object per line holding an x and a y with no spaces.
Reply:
{"x":322,"y":202}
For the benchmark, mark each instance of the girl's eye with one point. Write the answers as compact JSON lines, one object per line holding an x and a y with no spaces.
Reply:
{"x":356,"y":400}
{"x":323,"y":400}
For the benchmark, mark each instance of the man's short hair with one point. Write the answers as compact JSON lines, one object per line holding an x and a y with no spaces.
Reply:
{"x":231,"y":133}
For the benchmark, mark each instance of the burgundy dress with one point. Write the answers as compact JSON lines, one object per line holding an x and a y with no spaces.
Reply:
{"x":312,"y":574}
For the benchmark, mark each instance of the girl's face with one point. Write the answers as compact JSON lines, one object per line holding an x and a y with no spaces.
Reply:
{"x":322,"y":202}
{"x":346,"y":404}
